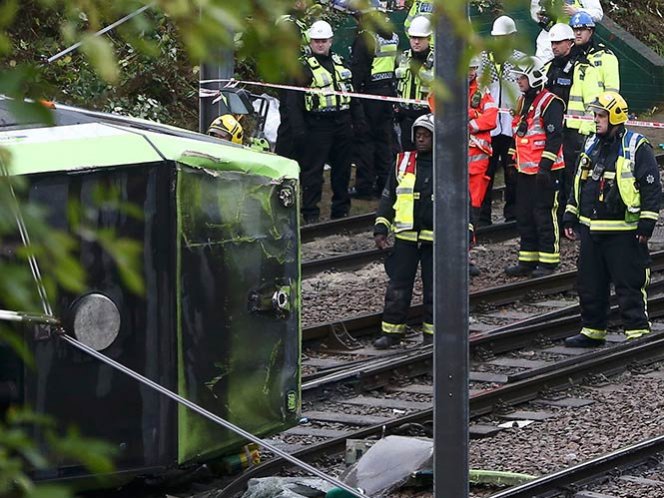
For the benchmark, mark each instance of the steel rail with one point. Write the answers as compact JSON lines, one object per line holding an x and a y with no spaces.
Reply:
{"x":504,"y":294}
{"x":373,"y":374}
{"x":584,"y":472}
{"x":615,"y":359}
{"x":487,"y":235}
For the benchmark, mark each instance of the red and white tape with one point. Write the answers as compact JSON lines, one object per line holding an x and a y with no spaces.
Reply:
{"x":209,"y":93}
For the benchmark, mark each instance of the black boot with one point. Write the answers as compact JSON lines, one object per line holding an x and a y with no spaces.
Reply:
{"x":519,"y":270}
{"x":427,"y":339}
{"x":386,"y":341}
{"x":543,"y":271}
{"x":473,"y":270}
{"x":583,"y":341}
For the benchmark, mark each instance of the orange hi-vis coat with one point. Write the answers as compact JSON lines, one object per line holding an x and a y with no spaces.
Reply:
{"x":530,"y":146}
{"x":482,"y":114}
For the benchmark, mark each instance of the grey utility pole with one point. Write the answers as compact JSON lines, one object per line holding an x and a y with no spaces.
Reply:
{"x":222,"y":70}
{"x":450,"y":264}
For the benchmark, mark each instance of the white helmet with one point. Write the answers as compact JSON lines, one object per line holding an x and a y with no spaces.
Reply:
{"x":504,"y":25}
{"x":420,"y":27}
{"x":475,"y":61}
{"x":320,"y":30}
{"x":561,"y":32}
{"x":425,"y":121}
{"x":532,"y":67}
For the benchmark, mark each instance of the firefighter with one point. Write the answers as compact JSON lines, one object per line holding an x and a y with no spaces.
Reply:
{"x":226,"y":127}
{"x":612,"y":211}
{"x":572,"y":78}
{"x":538,"y":155}
{"x":406,"y":206}
{"x":546,"y":13}
{"x":414,"y":74}
{"x":604,"y":61}
{"x":496,"y":72}
{"x":373,"y":60}
{"x":323,"y":125}
{"x":482,"y":114}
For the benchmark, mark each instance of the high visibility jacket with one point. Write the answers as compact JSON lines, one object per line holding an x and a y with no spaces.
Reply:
{"x":385,"y":57}
{"x":324,"y":80}
{"x":406,"y":206}
{"x":482,"y":113}
{"x":615,"y":196}
{"x":414,"y":82}
{"x":584,"y":90}
{"x":607,"y":67}
{"x":419,"y":8}
{"x":529,"y":146}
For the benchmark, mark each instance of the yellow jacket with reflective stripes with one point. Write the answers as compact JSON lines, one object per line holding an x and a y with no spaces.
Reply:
{"x":325,"y":80}
{"x":412,"y":81}
{"x":637,"y":184}
{"x":385,"y":57}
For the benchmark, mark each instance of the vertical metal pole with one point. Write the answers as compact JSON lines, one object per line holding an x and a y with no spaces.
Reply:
{"x":207,"y":111}
{"x":450,"y":278}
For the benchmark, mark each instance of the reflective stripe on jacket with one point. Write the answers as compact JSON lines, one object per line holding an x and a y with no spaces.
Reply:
{"x":418,"y":8}
{"x":416,"y":85}
{"x":385,"y":57}
{"x":324,"y":80}
{"x":530,"y":146}
{"x":625,"y":180}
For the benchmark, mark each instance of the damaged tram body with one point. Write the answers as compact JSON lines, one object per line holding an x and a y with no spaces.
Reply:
{"x":219,"y":321}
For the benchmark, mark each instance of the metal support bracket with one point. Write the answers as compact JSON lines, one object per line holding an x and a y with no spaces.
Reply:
{"x":338,"y":338}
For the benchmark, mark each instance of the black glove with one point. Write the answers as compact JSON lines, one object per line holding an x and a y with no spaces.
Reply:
{"x":544,"y":180}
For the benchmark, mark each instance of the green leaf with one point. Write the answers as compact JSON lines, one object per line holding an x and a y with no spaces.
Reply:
{"x":101,"y":55}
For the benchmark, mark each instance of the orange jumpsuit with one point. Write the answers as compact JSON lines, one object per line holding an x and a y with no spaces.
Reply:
{"x":482,"y":114}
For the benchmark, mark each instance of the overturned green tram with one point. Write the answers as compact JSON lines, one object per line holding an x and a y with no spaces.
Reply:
{"x":219,"y":321}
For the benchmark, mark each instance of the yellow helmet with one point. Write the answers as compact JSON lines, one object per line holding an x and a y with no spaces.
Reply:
{"x":227,"y":128}
{"x":614,"y":104}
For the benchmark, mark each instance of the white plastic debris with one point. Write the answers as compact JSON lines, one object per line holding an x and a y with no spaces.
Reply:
{"x":389,"y":463}
{"x":287,"y":487}
{"x":519,"y":424}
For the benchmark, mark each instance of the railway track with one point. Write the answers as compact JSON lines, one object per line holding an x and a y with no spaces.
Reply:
{"x":505,"y":390}
{"x":487,"y":235}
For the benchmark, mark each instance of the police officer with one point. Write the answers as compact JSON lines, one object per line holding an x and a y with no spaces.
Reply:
{"x":572,"y":78}
{"x":414,"y":74}
{"x":605,"y":62}
{"x":296,"y":22}
{"x":546,"y":13}
{"x":419,"y":8}
{"x":496,"y":72}
{"x":538,"y":154}
{"x":406,"y":206}
{"x":323,"y":125}
{"x":482,"y":114}
{"x":612,"y":211}
{"x":373,"y":60}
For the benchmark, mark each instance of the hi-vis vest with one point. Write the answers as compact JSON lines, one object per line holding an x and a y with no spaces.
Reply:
{"x":419,"y":8}
{"x":530,"y":146}
{"x":324,"y":80}
{"x":411,"y":85}
{"x":385,"y":57}
{"x":624,"y":178}
{"x":555,"y":9}
{"x":404,"y":206}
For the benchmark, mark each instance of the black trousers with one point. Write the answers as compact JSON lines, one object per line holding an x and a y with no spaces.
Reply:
{"x":329,"y":138}
{"x":401,"y":266}
{"x":572,"y":145}
{"x":373,"y":153}
{"x":617,"y":258}
{"x":500,"y":159}
{"x":536,"y":221}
